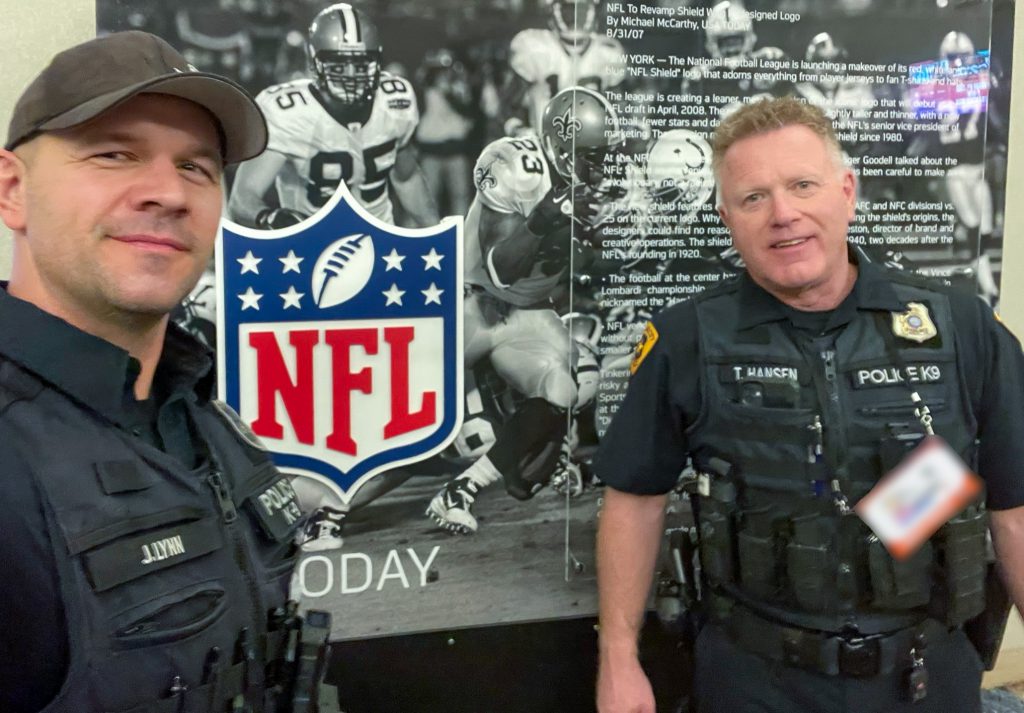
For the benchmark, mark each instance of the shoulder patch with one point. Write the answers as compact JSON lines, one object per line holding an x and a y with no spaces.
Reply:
{"x":1003,"y":324}
{"x":231,"y":417}
{"x":647,"y":341}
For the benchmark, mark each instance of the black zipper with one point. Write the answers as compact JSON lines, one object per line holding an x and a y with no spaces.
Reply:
{"x":224,"y":503}
{"x":837,"y":438}
{"x":229,"y":515}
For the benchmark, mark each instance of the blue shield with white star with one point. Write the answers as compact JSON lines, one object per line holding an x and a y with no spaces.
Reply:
{"x":340,"y":341}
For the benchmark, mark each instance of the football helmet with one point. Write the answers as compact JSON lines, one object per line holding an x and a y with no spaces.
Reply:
{"x":572,"y":20}
{"x":955,"y":47}
{"x":729,"y":31}
{"x":580,"y":134}
{"x":679,"y":170}
{"x":823,"y":48}
{"x":345,"y":54}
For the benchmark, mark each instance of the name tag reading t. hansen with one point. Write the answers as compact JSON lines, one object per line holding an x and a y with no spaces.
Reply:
{"x":764,"y":373}
{"x":911,"y":502}
{"x":763,"y":384}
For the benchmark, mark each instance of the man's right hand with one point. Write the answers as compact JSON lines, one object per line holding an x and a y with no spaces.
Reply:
{"x":622,"y":687}
{"x":628,"y":537}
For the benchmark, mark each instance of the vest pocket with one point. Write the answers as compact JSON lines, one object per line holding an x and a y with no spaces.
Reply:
{"x":717,"y":551}
{"x":963,"y":544}
{"x":899,"y":584}
{"x":170,"y":618}
{"x":811,"y":564}
{"x":899,"y":407}
{"x":756,"y":545}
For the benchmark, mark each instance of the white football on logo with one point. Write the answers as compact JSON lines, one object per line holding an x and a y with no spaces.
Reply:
{"x":342,"y":270}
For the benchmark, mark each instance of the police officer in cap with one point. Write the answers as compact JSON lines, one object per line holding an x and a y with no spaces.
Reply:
{"x":834,"y":413}
{"x":146,"y":538}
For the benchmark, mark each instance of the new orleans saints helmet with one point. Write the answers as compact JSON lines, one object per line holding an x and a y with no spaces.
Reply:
{"x":729,"y":31}
{"x":345,"y":54}
{"x":579,"y":130}
{"x":679,"y":170}
{"x":572,"y":20}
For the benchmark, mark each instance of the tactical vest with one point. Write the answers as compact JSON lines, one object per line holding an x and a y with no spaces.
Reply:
{"x":784,"y":415}
{"x":168,"y":574}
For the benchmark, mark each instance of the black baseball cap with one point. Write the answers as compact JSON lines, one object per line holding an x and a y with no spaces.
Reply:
{"x":86,"y":80}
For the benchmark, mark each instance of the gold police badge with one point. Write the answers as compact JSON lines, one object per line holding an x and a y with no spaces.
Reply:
{"x":643,"y":347}
{"x":915,"y":324}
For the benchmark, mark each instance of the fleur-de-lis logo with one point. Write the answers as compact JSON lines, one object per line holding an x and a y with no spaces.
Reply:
{"x":566,"y":125}
{"x":484,"y":178}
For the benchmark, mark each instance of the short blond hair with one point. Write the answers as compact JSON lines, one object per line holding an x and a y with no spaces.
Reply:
{"x":761,"y":117}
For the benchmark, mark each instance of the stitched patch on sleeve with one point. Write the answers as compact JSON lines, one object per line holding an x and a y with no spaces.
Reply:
{"x":643,"y":347}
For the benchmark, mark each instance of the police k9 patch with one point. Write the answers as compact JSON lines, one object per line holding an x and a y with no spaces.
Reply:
{"x":340,"y":340}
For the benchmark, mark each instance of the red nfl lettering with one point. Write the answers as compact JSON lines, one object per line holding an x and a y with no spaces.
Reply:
{"x":274,"y":380}
{"x":297,"y":396}
{"x":402,"y":421}
{"x":345,"y":382}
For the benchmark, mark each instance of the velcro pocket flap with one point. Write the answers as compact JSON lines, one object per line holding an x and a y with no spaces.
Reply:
{"x":123,"y":476}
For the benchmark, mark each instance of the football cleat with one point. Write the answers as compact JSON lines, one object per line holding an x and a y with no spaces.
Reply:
{"x":451,"y":507}
{"x":568,"y":479}
{"x":323,"y":530}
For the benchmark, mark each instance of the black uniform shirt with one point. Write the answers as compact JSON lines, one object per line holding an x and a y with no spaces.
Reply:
{"x":33,"y":641}
{"x":645,"y":449}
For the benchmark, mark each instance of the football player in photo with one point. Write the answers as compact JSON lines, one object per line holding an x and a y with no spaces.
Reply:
{"x":569,"y":53}
{"x":351,"y":123}
{"x":730,"y":40}
{"x":536,"y":197}
{"x":847,"y":103}
{"x":956,"y":101}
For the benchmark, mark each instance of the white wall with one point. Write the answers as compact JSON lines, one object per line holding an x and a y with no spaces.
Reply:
{"x":36,"y":30}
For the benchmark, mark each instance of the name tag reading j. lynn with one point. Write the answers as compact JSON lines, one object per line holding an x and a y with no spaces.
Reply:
{"x":911,"y":502}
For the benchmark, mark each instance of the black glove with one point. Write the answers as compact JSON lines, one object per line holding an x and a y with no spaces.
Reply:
{"x":561,"y":206}
{"x":552,"y":214}
{"x":275,"y":218}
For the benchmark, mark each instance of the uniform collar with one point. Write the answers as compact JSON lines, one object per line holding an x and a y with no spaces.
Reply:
{"x":99,"y":374}
{"x":872,"y":291}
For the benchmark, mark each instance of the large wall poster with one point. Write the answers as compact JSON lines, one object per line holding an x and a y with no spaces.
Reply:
{"x":918,"y":88}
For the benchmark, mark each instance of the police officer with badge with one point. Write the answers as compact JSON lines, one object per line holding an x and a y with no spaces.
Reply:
{"x":146,"y":537}
{"x":835,"y":413}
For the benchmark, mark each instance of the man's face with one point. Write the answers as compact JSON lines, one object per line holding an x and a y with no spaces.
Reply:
{"x":119,"y":215}
{"x":788,"y":204}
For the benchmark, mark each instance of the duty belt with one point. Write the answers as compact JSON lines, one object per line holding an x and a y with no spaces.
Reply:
{"x":830,"y":653}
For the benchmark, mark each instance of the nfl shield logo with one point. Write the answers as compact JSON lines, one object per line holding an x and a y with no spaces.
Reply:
{"x":340,"y":341}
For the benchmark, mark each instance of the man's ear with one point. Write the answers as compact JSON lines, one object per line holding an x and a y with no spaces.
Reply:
{"x":12,"y":190}
{"x":849,"y":184}
{"x":723,"y":214}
